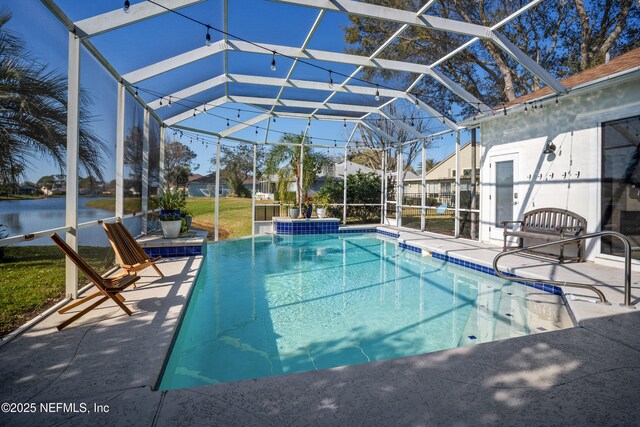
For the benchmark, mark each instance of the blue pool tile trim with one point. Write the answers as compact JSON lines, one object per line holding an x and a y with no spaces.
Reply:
{"x":174,"y":251}
{"x":556,"y":290}
{"x":388,"y":234}
{"x":403,"y":245}
{"x":307,"y":227}
{"x":356,"y":230}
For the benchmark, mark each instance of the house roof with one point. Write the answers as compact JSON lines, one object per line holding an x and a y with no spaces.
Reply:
{"x":617,"y":65}
{"x":440,"y":164}
{"x":207,"y":179}
{"x":194,"y":177}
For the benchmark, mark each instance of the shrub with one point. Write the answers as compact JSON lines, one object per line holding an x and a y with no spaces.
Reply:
{"x":361,"y":188}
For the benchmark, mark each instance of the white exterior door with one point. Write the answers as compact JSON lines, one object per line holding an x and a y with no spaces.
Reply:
{"x":504,"y":192}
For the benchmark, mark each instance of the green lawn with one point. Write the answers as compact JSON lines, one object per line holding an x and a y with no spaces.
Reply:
{"x":131,"y":205}
{"x":235,"y":216}
{"x":235,"y":213}
{"x":32,"y":279}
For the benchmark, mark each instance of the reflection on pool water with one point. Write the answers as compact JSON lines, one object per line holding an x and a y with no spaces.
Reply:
{"x":274,"y":305}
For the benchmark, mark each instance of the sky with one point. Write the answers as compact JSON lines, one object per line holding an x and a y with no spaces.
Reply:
{"x":132,"y":47}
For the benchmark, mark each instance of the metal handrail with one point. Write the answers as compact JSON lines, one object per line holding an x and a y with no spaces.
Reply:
{"x":603,"y":299}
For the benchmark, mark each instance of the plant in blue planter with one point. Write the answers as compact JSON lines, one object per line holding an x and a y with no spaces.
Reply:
{"x":170,"y":203}
{"x":307,"y":206}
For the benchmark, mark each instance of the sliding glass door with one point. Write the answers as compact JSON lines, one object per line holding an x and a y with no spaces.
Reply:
{"x":621,"y":183}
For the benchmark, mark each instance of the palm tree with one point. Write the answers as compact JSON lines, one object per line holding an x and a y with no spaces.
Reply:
{"x":33,"y":112}
{"x":284,"y":161}
{"x":429,"y":164}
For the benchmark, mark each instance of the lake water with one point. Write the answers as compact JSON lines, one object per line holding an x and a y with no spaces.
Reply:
{"x":28,"y":216}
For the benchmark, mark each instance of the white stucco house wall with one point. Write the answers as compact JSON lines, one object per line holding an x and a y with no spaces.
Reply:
{"x":571,"y":177}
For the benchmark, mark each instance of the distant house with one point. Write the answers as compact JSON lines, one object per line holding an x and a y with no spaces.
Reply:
{"x":205,"y":186}
{"x":27,"y":190}
{"x":442,"y":177}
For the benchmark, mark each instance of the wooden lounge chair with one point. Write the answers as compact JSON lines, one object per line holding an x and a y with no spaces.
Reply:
{"x":131,"y":257}
{"x":108,"y":288}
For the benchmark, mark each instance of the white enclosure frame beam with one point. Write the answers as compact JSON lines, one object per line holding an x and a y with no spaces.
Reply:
{"x":369,"y":10}
{"x":344,"y":175}
{"x":399,"y":184}
{"x":73,"y":136}
{"x":217,"y":196}
{"x":120,"y":152}
{"x":162,"y":168}
{"x":174,"y":62}
{"x":457,"y":190}
{"x":423,"y":187}
{"x":528,"y":63}
{"x":188,"y":92}
{"x":248,"y":123}
{"x":145,"y":171}
{"x":383,"y":186}
{"x":195,"y":111}
{"x":137,"y":12}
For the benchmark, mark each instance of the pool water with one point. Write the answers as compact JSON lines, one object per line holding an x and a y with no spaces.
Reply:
{"x":275,"y":305}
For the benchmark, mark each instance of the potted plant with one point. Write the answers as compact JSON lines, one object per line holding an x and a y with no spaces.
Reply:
{"x":170,"y":203}
{"x":307,"y":206}
{"x":322,"y":203}
{"x":171,"y":224}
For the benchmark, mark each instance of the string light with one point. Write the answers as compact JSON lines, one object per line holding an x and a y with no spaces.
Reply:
{"x":194,"y":112}
{"x":556,"y":99}
{"x":504,"y":109}
{"x":330,"y":79}
{"x":345,"y":123}
{"x":227,"y":122}
{"x":377,"y":93}
{"x":273,"y":61}
{"x":126,"y":6}
{"x":238,"y":116}
{"x":526,"y":111}
{"x":274,"y":119}
{"x":417,"y":102}
{"x":161,"y":102}
{"x":169,"y":101}
{"x":207,"y":38}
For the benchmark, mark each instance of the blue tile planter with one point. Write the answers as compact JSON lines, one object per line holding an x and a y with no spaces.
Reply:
{"x":306,"y":226}
{"x":155,"y":245}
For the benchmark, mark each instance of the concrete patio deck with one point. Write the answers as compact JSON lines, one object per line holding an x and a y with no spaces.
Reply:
{"x":586,"y":375}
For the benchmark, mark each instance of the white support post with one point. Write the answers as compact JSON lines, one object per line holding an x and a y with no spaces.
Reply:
{"x":217,"y":199}
{"x":253,"y":190}
{"x":299,"y":190}
{"x":162,"y":177}
{"x":301,"y":195}
{"x":120,"y":152}
{"x":344,"y":187}
{"x":457,"y":192}
{"x":73,"y":133}
{"x":473,"y":215}
{"x":423,"y":188}
{"x":145,"y":171}
{"x":399,"y":188}
{"x":383,"y":185}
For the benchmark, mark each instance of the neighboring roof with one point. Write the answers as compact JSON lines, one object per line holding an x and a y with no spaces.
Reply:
{"x":617,"y":65}
{"x":438,"y":165}
{"x":352,"y":168}
{"x":207,"y":179}
{"x":194,"y":177}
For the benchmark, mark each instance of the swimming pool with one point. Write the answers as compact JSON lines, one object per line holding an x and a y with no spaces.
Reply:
{"x":274,"y":305}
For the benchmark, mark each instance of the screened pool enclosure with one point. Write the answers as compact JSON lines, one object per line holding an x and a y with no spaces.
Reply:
{"x":227,"y":77}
